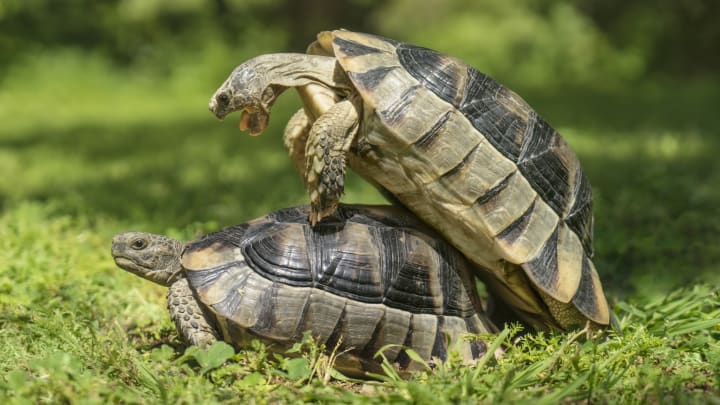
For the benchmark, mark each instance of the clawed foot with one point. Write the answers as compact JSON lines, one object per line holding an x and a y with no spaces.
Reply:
{"x":321,"y":208}
{"x":325,"y":158}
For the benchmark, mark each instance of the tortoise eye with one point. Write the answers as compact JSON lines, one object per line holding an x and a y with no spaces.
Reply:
{"x":223,"y":98}
{"x":138,"y":244}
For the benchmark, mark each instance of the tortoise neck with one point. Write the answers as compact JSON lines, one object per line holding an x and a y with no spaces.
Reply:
{"x":167,"y":268}
{"x":297,"y":69}
{"x":170,"y":274}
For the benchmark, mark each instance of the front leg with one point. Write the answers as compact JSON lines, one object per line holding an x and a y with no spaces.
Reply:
{"x":325,"y":156}
{"x":190,"y":320}
{"x":295,"y":139}
{"x":317,"y":100}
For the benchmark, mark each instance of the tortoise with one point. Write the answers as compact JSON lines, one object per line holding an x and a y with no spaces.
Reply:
{"x":372,"y":276}
{"x":467,"y":155}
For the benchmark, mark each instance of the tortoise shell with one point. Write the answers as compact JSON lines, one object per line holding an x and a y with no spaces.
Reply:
{"x":370,"y":278}
{"x":476,"y":162}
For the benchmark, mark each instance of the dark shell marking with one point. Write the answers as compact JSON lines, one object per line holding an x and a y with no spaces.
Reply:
{"x":423,"y":151}
{"x":368,"y":279}
{"x":532,"y":143}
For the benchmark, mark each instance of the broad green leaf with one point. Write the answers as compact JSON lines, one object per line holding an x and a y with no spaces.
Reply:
{"x":252,"y":379}
{"x":161,"y":353}
{"x":297,"y":368}
{"x":214,"y":356}
{"x":16,"y":379}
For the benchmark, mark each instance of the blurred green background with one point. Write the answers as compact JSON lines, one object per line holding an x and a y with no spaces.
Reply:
{"x":104,"y":124}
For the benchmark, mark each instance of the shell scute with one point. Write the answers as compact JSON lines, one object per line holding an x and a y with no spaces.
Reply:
{"x":455,"y":170}
{"x":281,"y":256}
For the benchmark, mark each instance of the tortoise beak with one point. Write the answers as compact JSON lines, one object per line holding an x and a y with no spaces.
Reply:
{"x":219,"y":111}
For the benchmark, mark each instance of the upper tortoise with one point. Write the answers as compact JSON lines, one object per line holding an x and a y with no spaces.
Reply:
{"x":464,"y":153}
{"x":373,"y":276}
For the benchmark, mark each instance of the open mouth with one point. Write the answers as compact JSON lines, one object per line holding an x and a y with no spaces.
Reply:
{"x":254,"y":116}
{"x":254,"y":120}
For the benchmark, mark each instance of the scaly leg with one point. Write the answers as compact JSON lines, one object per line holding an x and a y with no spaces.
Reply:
{"x":325,"y":155}
{"x":190,"y":319}
{"x":317,"y":100}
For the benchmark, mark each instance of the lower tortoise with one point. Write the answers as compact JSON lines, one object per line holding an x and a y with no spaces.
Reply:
{"x":372,"y":276}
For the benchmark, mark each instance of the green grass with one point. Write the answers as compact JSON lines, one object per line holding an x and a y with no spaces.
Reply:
{"x":86,"y":156}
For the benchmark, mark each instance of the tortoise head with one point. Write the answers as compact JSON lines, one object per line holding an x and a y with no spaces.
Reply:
{"x":249,"y":89}
{"x":153,"y":257}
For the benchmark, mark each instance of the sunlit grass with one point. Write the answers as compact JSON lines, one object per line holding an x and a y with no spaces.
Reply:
{"x":88,"y":150}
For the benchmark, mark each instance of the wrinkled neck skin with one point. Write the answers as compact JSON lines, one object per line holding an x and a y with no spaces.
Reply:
{"x":152,"y":257}
{"x":254,"y":86}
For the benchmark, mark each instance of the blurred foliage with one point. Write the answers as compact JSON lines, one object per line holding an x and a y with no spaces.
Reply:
{"x":136,"y":32}
{"x":524,"y":42}
{"x":104,"y":127}
{"x":151,"y":31}
{"x":672,"y":36}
